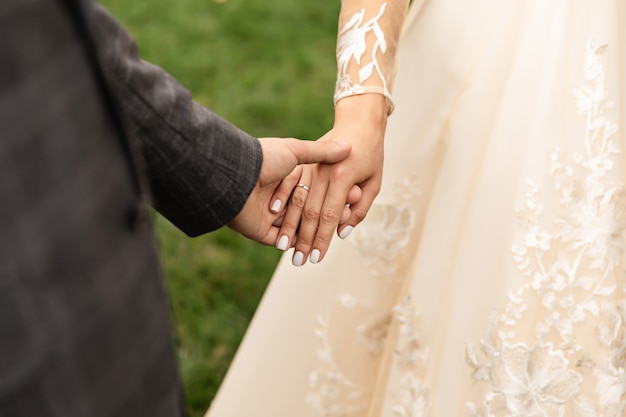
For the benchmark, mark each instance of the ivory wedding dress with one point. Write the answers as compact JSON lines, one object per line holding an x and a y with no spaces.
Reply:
{"x":489,"y":277}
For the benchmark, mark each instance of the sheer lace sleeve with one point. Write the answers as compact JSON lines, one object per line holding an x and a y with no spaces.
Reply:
{"x":366,"y":46}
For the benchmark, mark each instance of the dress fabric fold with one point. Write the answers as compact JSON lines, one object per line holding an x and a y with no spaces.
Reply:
{"x":488,"y":279}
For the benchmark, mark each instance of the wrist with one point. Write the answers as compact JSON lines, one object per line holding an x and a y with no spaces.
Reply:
{"x":370,"y":109}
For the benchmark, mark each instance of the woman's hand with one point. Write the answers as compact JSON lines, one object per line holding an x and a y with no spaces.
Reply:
{"x":293,"y":188}
{"x":360,"y":120}
{"x":280,"y":158}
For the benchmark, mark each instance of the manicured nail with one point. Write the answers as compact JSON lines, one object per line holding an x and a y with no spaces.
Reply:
{"x":346,"y":232}
{"x":298,"y":259}
{"x":315,"y":256}
{"x":283,"y":243}
{"x":276,"y":206}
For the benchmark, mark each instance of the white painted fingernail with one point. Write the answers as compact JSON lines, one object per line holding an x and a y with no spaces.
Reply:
{"x":276,"y":206}
{"x":298,"y":259}
{"x":283,"y":242}
{"x":315,"y":256}
{"x":346,"y":232}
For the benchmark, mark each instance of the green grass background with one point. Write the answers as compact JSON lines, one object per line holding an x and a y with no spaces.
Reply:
{"x":269,"y":67}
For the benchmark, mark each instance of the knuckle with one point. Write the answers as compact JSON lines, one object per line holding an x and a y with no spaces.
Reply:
{"x":360,"y":214}
{"x":322,"y":241}
{"x":341,"y":172}
{"x":330,"y":215}
{"x":304,"y":244}
{"x":298,"y":200}
{"x":311,"y":214}
{"x":288,"y":227}
{"x":305,"y":237}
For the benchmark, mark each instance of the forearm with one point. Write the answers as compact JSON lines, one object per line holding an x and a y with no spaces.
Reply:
{"x":369,"y":31}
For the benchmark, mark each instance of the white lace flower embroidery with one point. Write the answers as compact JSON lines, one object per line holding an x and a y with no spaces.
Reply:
{"x":331,"y":393}
{"x":533,"y":382}
{"x":411,"y":397}
{"x":538,"y":239}
{"x":379,"y":241}
{"x":352,"y":45}
{"x":611,"y":375}
{"x":386,"y":230}
{"x":573,"y":268}
{"x":348,"y":301}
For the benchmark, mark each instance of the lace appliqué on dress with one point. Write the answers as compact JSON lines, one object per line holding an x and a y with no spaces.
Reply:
{"x":410,"y":399}
{"x":386,"y":230}
{"x":365,"y":320}
{"x":574,"y":272}
{"x":352,"y":46}
{"x":332,"y":393}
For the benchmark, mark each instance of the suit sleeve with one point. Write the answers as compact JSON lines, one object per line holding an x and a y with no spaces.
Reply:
{"x":201,"y":169}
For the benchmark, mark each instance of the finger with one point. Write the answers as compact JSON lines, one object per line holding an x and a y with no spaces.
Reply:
{"x":310,"y":221}
{"x":353,"y":197}
{"x":330,"y":216}
{"x":284,"y":189}
{"x":291,"y":219}
{"x":308,"y":152}
{"x":269,"y":238}
{"x":281,"y":156}
{"x":279,"y":221}
{"x":358,"y":212}
{"x":345,"y":214}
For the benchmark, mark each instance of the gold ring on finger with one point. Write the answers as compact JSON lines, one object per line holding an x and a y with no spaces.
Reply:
{"x":306,"y":187}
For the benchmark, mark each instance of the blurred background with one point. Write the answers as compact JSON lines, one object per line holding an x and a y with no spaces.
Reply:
{"x":268,"y":66}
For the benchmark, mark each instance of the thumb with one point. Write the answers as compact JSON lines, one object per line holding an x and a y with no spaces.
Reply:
{"x":281,"y":156}
{"x":308,"y":152}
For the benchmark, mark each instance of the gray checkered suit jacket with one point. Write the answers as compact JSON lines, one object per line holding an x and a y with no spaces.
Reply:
{"x":84,"y":322}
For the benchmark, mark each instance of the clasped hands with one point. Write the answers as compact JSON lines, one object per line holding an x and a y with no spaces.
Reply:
{"x":308,"y":190}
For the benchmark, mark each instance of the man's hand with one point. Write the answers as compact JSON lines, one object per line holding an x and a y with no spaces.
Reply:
{"x":280,"y":157}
